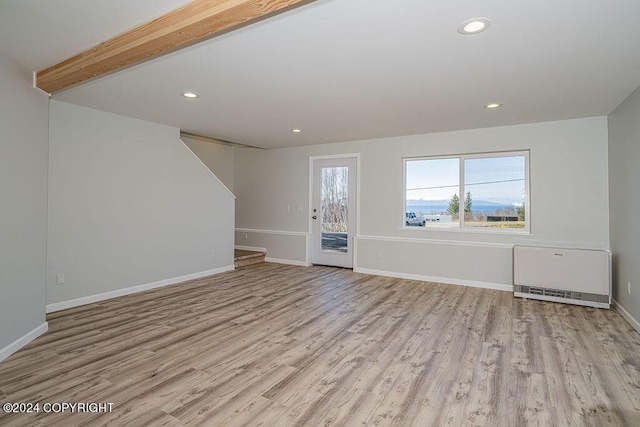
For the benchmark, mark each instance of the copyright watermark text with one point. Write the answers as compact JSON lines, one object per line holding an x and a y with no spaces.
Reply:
{"x":56,"y":407}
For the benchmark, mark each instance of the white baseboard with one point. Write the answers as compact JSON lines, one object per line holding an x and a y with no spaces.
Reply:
{"x":445,"y":280}
{"x":627,"y":316}
{"x":134,"y":289}
{"x":23,"y":340}
{"x":250,"y":248}
{"x":287,"y":261}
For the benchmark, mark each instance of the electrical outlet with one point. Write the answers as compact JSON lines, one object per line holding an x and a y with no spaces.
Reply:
{"x":288,"y":208}
{"x":246,"y":236}
{"x":59,"y":278}
{"x":379,"y":254}
{"x":629,"y":288}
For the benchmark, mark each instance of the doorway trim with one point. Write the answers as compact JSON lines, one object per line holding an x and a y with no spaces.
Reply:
{"x":310,"y":221}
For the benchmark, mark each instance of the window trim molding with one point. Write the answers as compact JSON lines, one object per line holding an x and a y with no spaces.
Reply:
{"x":461,"y":188}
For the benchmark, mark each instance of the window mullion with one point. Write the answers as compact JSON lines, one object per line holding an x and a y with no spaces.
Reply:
{"x":461,"y":198}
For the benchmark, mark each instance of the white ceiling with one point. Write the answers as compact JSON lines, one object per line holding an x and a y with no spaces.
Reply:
{"x":351,"y":69}
{"x":40,"y":33}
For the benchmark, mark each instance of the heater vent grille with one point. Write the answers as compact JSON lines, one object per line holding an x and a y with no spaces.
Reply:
{"x":559,"y":293}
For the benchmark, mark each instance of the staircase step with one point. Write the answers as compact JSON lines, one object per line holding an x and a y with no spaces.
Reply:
{"x":245,"y":258}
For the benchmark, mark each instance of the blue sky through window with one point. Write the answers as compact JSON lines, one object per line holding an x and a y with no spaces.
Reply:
{"x":496,"y":179}
{"x":493,"y":179}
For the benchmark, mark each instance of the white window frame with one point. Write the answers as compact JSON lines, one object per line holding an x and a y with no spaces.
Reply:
{"x":461,"y":158}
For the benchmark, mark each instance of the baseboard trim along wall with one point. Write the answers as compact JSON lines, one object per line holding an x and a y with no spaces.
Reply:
{"x":445,"y":280}
{"x":23,"y":340}
{"x":134,"y":289}
{"x":287,"y":261}
{"x":627,"y":316}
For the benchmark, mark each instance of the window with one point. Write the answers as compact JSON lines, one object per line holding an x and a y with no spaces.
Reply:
{"x":478,"y":191}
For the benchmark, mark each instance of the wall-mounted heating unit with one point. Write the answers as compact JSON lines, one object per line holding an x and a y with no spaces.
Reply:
{"x":575,"y":276}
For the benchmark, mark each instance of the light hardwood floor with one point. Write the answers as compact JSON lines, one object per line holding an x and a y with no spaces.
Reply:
{"x":273,"y":345}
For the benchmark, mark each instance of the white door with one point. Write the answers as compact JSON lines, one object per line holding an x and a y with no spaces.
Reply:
{"x":333,"y":211}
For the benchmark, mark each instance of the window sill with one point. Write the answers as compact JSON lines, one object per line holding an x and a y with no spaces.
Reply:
{"x":515,"y":232}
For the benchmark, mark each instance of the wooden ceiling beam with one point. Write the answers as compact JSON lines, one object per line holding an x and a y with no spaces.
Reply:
{"x":189,"y":24}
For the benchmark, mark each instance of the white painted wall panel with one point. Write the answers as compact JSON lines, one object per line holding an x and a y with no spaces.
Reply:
{"x":624,"y":176}
{"x":23,"y":204}
{"x":129,"y":205}
{"x":440,"y":261}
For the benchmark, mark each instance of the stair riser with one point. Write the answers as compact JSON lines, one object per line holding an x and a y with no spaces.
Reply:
{"x":249,"y":261}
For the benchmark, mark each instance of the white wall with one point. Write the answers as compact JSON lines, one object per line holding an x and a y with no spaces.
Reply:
{"x":624,"y":181}
{"x":23,"y":207}
{"x":269,"y":181}
{"x":569,"y":197}
{"x":218,"y":157}
{"x":129,"y":205}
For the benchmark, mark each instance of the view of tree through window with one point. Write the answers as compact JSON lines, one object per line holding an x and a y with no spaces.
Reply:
{"x":334,"y":209}
{"x":335,"y":193}
{"x":498,"y":186}
{"x":475,"y":191}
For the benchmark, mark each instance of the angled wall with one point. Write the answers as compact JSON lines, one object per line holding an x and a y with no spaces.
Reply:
{"x":23,"y":207}
{"x":130,"y":208}
{"x":218,"y":157}
{"x":624,"y":180}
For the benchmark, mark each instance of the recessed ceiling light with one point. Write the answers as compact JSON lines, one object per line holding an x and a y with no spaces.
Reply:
{"x":296,"y":130}
{"x":474,"y":26}
{"x":493,"y":105}
{"x":190,"y":95}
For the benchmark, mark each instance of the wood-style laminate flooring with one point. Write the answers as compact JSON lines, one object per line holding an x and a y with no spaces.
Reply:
{"x":274,"y":345}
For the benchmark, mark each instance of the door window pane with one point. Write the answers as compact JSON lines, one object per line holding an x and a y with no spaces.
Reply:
{"x":334,"y":209}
